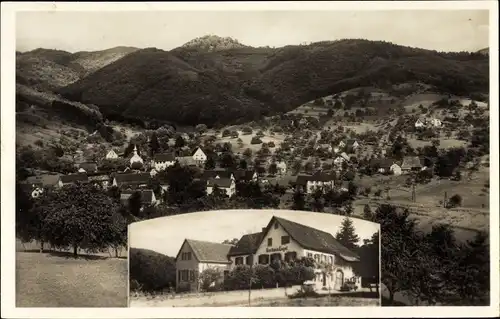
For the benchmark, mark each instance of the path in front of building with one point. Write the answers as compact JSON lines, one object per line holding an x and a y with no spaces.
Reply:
{"x":230,"y":298}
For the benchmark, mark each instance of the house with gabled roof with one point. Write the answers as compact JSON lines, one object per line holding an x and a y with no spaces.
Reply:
{"x":286,"y":240}
{"x":87,"y":167}
{"x":72,"y":179}
{"x":226,"y":185}
{"x":199,"y":156}
{"x":35,"y":185}
{"x":160,"y":162}
{"x":246,"y":175}
{"x":99,"y":178}
{"x":131,"y":179}
{"x":309,"y":183}
{"x":341,"y":159}
{"x":194,"y":257}
{"x":111,"y":155}
{"x":187,"y":161}
{"x":351,"y":145}
{"x":147,"y":197}
{"x":281,"y":240}
{"x":386,"y":165}
{"x":411,"y":163}
{"x":281,"y":167}
{"x":217,"y":173}
{"x":419,"y":123}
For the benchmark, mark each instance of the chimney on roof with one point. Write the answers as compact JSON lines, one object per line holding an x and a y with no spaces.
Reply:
{"x":263,"y":229}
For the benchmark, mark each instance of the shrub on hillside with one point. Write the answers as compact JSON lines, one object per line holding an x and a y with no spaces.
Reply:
{"x":454,"y":201}
{"x":151,"y":271}
{"x":255,"y":140}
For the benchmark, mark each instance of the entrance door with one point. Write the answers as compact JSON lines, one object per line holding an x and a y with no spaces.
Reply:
{"x":339,"y":279}
{"x":324,"y":280}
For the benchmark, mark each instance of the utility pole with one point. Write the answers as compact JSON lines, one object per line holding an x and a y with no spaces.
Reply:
{"x":413,"y":193}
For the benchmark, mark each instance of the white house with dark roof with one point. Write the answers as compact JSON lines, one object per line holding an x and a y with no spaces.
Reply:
{"x":309,"y":183}
{"x":194,"y":257}
{"x":161,"y":161}
{"x":111,"y":155}
{"x":419,"y":123}
{"x":199,"y":156}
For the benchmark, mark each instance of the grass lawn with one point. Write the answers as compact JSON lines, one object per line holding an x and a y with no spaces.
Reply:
{"x":444,"y":143}
{"x":56,"y":279}
{"x":277,"y":139}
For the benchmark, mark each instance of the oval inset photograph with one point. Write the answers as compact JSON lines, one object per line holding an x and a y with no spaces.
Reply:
{"x":256,"y":258}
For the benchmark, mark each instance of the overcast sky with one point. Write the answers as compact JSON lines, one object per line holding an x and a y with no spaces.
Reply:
{"x":166,"y":234}
{"x":87,"y":31}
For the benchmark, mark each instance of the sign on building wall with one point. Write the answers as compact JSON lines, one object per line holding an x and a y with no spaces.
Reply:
{"x":279,"y":249}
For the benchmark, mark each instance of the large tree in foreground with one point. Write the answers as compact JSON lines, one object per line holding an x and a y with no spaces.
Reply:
{"x":79,"y":216}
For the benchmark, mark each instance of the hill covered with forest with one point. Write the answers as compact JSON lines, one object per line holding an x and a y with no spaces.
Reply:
{"x":47,"y":69}
{"x":215,"y":80}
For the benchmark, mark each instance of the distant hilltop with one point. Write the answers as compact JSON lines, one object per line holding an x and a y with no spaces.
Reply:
{"x":485,"y":51}
{"x":213,"y":43}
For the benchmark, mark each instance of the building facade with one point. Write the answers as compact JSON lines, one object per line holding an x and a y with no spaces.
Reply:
{"x":161,"y":162}
{"x":196,"y":256}
{"x":200,"y":156}
{"x":281,"y":240}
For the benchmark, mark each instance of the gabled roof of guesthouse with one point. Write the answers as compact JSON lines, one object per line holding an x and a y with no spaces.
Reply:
{"x":209,"y":252}
{"x":312,"y":238}
{"x":248,"y":244}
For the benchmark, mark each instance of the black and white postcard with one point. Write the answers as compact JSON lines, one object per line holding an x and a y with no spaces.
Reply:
{"x":250,"y":159}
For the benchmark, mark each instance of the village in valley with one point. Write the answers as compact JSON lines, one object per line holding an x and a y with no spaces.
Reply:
{"x":199,"y":142}
{"x":303,"y":160}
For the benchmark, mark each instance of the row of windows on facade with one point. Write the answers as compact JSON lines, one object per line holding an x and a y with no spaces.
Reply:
{"x":289,"y":256}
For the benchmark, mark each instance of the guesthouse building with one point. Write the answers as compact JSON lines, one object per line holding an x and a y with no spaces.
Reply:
{"x":282,"y":240}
